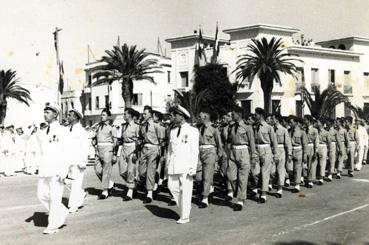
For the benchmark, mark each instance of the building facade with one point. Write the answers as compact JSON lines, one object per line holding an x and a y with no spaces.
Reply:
{"x":95,"y":98}
{"x":342,"y":62}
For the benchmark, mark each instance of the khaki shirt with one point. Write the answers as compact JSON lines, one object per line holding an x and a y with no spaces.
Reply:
{"x":105,"y":133}
{"x":342,"y":138}
{"x":312,"y":136}
{"x":209,"y":135}
{"x":130,"y":132}
{"x":299,"y":138}
{"x":242,"y":135}
{"x":324,"y":137}
{"x":264,"y":135}
{"x":333,"y":134}
{"x":283,"y":138}
{"x":151,"y":133}
{"x":352,"y":134}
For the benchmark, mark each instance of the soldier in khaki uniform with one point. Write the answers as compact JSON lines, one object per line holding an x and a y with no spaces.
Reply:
{"x":283,"y":151}
{"x":342,"y":146}
{"x":225,"y":130}
{"x":299,"y":149}
{"x":323,"y":148}
{"x":332,"y":149}
{"x":159,"y":176}
{"x":312,"y":149}
{"x":353,"y":140}
{"x":130,"y":133}
{"x":242,"y":155}
{"x":151,"y":136}
{"x":105,"y":141}
{"x":266,"y":146}
{"x":210,"y":147}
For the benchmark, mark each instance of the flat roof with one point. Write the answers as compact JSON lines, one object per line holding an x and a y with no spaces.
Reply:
{"x":286,"y":29}
{"x":344,"y":39}
{"x":194,"y":36}
{"x":327,"y":51}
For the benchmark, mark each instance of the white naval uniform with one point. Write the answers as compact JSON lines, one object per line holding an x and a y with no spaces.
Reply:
{"x":52,"y":169}
{"x":362,"y":145}
{"x":78,"y":145}
{"x":20,"y":152}
{"x":32,"y":153}
{"x":8,"y":153}
{"x":182,"y":158}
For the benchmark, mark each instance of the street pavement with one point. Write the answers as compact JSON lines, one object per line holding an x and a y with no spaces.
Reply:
{"x":335,"y":213}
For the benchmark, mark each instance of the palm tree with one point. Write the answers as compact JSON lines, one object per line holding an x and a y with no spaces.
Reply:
{"x":266,"y":60}
{"x":358,"y":111}
{"x":323,"y":103}
{"x":125,"y":64}
{"x":10,"y":88}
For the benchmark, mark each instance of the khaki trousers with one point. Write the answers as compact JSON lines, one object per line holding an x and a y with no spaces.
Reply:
{"x":104,"y":165}
{"x":205,"y":169}
{"x":127,"y":169}
{"x":322,"y":159}
{"x":148,"y":163}
{"x":238,"y":171}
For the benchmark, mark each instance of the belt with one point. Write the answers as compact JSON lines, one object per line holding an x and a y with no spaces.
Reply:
{"x":333,"y":142}
{"x":297,"y":147}
{"x":352,"y":141}
{"x":104,"y":144}
{"x":206,"y":146}
{"x":150,"y":145}
{"x":129,"y":144}
{"x":240,"y":147}
{"x":280,"y":145}
{"x":262,"y":145}
{"x":310,"y":144}
{"x":322,"y":144}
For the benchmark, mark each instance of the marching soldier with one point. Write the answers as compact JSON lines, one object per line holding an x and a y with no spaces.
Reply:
{"x":211,"y":148}
{"x":159,"y":176}
{"x":105,"y":142}
{"x":130,"y":134}
{"x":266,"y":145}
{"x":312,"y":149}
{"x":353,"y":139}
{"x":299,"y":150}
{"x":323,"y":149}
{"x":342,"y":146}
{"x":332,"y":149}
{"x":242,"y":154}
{"x":362,"y":144}
{"x":151,"y":136}
{"x":182,"y":158}
{"x":284,"y":148}
{"x":78,"y":154}
{"x":52,"y":170}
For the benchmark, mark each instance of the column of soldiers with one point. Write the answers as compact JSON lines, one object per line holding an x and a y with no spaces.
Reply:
{"x":252,"y":154}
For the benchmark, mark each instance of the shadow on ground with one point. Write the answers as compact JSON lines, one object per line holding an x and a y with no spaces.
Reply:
{"x":40,"y":219}
{"x":162,"y":212}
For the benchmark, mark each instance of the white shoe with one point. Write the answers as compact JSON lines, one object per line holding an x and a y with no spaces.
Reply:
{"x":270,"y":187}
{"x":50,"y":231}
{"x":211,"y":189}
{"x":287,"y":182}
{"x":183,"y":221}
{"x":155,"y":187}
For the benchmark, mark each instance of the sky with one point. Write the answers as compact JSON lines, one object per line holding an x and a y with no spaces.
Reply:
{"x":26,"y":40}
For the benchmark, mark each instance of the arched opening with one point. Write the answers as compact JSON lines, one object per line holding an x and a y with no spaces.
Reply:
{"x":332,"y":47}
{"x":342,"y":47}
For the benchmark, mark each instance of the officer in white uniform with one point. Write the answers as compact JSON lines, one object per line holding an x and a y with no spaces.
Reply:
{"x":53,"y":169}
{"x":182,"y":158}
{"x":78,"y":153}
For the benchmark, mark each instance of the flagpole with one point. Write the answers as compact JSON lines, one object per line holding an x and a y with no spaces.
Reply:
{"x":56,"y":43}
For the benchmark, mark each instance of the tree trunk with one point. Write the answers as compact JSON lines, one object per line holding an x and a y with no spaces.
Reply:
{"x":267,"y":87}
{"x":3,"y":106}
{"x":127,"y":92}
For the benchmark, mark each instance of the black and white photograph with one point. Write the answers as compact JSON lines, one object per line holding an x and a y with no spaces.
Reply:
{"x":184,"y":122}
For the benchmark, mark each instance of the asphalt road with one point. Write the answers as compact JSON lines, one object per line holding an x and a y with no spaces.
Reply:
{"x":335,"y":213}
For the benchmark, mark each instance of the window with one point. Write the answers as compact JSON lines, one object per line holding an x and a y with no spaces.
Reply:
{"x":276,"y":106}
{"x":366,"y":79}
{"x":89,"y":104}
{"x":184,"y":78}
{"x":347,"y":109}
{"x":89,"y":81}
{"x":314,"y":78}
{"x":137,"y":99}
{"x":299,"y":108}
{"x":107,"y":103}
{"x":347,"y":88}
{"x":332,"y":76}
{"x":168,"y":76}
{"x":342,"y":46}
{"x":300,"y":79}
{"x":90,"y":123}
{"x":246,"y":106}
{"x":72,"y":104}
{"x":97,"y":104}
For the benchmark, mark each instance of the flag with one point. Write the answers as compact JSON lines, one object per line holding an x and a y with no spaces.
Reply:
{"x":61,"y":77}
{"x":200,"y":57}
{"x":216,"y":46}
